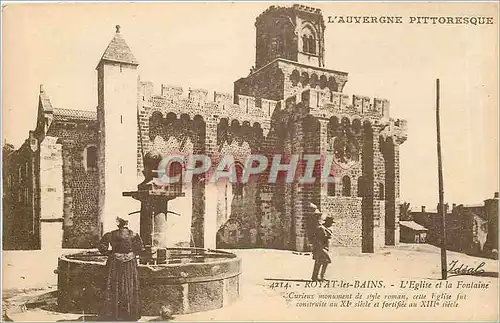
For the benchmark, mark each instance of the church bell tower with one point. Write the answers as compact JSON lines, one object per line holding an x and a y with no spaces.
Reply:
{"x":289,"y":56}
{"x":295,"y":34}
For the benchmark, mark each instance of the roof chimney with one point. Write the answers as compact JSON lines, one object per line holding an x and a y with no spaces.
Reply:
{"x":496,"y":195}
{"x":423,"y":208}
{"x":41,"y":88}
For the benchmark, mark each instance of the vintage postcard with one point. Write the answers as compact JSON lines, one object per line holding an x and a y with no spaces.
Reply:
{"x":325,"y":161}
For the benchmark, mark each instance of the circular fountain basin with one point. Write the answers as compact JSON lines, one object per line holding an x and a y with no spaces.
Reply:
{"x":192,"y":280}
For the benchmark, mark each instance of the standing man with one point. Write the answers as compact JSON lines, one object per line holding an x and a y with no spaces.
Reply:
{"x":321,"y":236}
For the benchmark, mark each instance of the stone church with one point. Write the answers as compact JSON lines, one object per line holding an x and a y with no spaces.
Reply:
{"x":64,"y":184}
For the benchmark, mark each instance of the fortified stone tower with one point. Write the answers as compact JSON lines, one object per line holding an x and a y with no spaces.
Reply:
{"x":117,"y":79}
{"x":290,"y":48}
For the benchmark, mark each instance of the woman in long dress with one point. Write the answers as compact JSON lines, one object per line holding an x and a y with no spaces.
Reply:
{"x":121,"y":296}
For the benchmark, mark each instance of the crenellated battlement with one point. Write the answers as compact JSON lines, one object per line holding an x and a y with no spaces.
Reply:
{"x":223,"y":100}
{"x":277,"y":10}
{"x":307,"y":8}
{"x":273,"y":10}
{"x":340,"y":103}
{"x":198,"y":101}
{"x":322,"y":102}
{"x":171,"y":92}
{"x":396,"y":128}
{"x":246,"y":102}
{"x":198,"y":95}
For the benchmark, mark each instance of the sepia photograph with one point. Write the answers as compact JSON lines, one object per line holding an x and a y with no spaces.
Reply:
{"x":253,"y":161}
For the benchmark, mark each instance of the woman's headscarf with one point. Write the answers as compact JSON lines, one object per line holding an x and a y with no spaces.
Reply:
{"x":121,"y":222}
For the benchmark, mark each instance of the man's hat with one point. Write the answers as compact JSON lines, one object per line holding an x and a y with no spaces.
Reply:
{"x":329,"y":218}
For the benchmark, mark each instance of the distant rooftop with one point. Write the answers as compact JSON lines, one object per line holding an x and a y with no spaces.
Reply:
{"x":413,"y":225}
{"x":473,"y":205}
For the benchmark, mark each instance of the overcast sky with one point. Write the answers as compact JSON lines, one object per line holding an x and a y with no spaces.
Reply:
{"x":211,"y":45}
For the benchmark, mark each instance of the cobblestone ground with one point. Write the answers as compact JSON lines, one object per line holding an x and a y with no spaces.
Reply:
{"x":29,"y":273}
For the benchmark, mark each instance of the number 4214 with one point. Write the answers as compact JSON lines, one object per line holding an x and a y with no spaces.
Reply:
{"x":284,"y":285}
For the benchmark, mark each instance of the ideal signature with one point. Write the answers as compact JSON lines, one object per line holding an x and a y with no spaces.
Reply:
{"x":457,"y":269}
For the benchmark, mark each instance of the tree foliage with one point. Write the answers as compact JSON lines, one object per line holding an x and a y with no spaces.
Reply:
{"x":405,"y":212}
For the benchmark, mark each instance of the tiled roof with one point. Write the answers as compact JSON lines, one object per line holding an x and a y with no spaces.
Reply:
{"x":45,"y":102}
{"x":118,"y":50}
{"x":68,"y":114}
{"x":413,"y":225}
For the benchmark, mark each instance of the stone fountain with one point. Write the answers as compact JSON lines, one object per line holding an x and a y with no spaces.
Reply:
{"x":185,"y":279}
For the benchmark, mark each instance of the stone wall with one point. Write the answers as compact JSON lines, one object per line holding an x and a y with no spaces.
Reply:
{"x":80,"y":205}
{"x":346,"y":212}
{"x":20,"y":210}
{"x":257,"y":84}
{"x":307,"y":138}
{"x":275,"y":36}
{"x":273,"y":216}
{"x":383,"y":228}
{"x":298,"y":78}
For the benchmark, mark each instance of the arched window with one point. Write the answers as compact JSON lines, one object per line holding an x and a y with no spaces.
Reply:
{"x":308,"y":40}
{"x":312,"y":45}
{"x":381,"y":192}
{"x":305,"y":44}
{"x":331,"y":189}
{"x":275,"y":46}
{"x":346,"y":186}
{"x":91,"y":157}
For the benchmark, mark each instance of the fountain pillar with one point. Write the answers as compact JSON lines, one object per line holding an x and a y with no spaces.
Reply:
{"x":210,"y":225}
{"x":154,"y":195}
{"x":160,"y":230}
